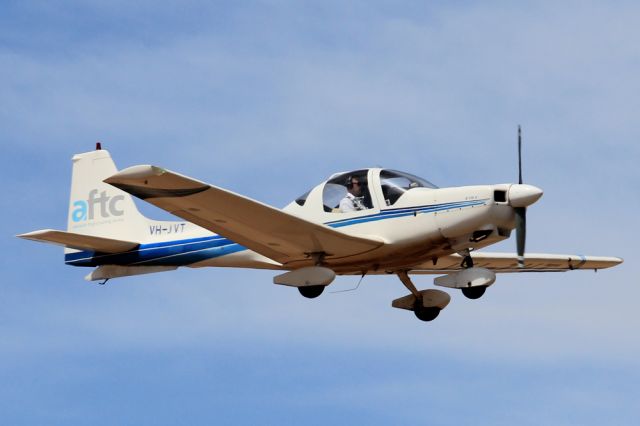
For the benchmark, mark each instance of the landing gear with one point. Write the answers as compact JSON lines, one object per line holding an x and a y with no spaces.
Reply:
{"x":426,"y":314}
{"x":312,"y":291}
{"x":471,"y":292}
{"x":474,"y":292}
{"x":425,"y":304}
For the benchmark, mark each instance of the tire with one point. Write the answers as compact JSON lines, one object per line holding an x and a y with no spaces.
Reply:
{"x":311,"y":292}
{"x":426,"y":314}
{"x":474,"y":292}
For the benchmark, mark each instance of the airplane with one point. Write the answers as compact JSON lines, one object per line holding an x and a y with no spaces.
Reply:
{"x":368,"y":221}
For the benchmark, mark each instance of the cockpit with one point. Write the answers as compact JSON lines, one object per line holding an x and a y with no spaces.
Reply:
{"x":347,"y":192}
{"x":362,"y":190}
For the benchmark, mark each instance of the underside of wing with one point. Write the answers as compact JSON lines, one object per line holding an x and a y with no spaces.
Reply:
{"x":508,"y":262}
{"x":257,"y":226}
{"x":79,"y":241}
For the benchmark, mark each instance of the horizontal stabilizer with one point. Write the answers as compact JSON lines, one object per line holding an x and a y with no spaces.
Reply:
{"x":80,"y":241}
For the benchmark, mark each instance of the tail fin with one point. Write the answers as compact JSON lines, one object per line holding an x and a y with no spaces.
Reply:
{"x":99,"y":209}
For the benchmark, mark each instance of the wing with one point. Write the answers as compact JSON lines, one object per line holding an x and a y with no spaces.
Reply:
{"x":508,"y":262}
{"x":79,"y":241}
{"x":269,"y":231}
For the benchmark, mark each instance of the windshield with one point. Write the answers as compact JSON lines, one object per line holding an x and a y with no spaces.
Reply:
{"x":395,"y":183}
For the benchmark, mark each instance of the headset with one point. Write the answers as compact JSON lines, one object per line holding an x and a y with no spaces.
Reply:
{"x":349,"y":184}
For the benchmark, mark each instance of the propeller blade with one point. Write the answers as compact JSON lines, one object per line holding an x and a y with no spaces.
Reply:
{"x":521,"y":233}
{"x":521,"y":212}
{"x":519,"y":156}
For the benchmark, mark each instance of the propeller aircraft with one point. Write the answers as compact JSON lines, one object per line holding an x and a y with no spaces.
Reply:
{"x":366,"y":221}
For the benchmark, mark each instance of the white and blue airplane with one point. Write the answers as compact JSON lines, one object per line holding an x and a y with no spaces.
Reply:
{"x":366,"y":221}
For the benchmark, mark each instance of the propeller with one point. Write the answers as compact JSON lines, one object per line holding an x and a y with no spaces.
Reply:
{"x":521,"y":196}
{"x":521,"y":212}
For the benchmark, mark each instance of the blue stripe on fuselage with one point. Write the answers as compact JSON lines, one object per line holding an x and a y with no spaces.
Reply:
{"x":182,"y":252}
{"x":188,"y":251}
{"x":401,"y":212}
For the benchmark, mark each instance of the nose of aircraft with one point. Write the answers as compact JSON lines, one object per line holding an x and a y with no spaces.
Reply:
{"x":522,"y":195}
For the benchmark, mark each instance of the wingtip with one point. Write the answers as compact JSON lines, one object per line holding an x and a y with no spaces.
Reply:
{"x":613,"y":261}
{"x":32,"y":234}
{"x":135,"y":173}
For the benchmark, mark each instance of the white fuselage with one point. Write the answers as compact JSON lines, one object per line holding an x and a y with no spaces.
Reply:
{"x":423,"y":224}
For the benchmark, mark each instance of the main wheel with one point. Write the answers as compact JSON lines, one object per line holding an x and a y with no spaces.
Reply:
{"x":474,"y":292}
{"x":312,"y":291}
{"x":426,"y":314}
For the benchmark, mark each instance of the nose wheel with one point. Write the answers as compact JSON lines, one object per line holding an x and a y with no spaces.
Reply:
{"x":476,"y":292}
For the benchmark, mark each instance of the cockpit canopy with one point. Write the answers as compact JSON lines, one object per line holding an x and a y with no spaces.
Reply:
{"x":395,"y":183}
{"x":351,"y":191}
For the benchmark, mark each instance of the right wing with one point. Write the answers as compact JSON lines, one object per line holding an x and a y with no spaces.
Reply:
{"x":508,"y":262}
{"x":264,"y":229}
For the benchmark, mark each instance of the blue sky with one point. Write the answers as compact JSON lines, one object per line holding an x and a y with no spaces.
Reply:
{"x":267,"y":99}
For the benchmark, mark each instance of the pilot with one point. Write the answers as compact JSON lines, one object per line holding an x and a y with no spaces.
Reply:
{"x":354,"y":200}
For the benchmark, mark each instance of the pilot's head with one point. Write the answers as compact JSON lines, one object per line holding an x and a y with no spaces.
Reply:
{"x":354,"y":185}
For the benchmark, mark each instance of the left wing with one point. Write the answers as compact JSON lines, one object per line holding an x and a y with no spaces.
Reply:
{"x":264,"y":229}
{"x":508,"y":262}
